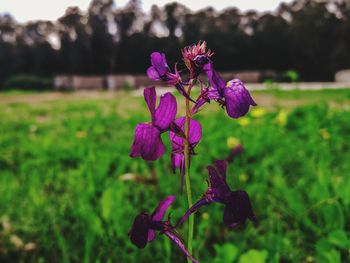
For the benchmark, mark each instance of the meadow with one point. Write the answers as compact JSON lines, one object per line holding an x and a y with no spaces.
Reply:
{"x":69,"y":191}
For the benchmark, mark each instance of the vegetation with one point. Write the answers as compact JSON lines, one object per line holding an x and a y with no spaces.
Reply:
{"x":69,"y":192}
{"x":28,"y":83}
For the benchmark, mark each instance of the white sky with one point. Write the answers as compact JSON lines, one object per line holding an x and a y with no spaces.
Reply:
{"x":25,"y":10}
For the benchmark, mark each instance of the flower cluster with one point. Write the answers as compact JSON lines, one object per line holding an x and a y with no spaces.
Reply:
{"x":185,"y":133}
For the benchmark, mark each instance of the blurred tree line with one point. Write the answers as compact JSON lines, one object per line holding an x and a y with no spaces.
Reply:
{"x":311,"y":37}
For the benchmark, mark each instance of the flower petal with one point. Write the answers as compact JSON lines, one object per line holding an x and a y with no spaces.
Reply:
{"x":216,"y":81}
{"x":166,"y":111}
{"x":193,"y":209}
{"x":147,"y":143}
{"x":139,"y":230}
{"x":177,"y":142}
{"x":158,"y":61}
{"x":194,"y":136}
{"x":153,"y":74}
{"x":178,"y":242}
{"x":178,"y":161}
{"x":221,"y":166}
{"x":199,"y":103}
{"x":159,"y":212}
{"x":151,"y":235}
{"x":237,"y":99}
{"x":218,"y":184}
{"x":238,"y":209}
{"x":150,"y":97}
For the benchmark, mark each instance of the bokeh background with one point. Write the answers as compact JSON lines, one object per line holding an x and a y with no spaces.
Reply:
{"x":68,"y":189}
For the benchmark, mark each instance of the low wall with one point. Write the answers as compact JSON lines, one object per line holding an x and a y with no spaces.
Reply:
{"x":343,"y":76}
{"x":115,"y":82}
{"x":64,"y":82}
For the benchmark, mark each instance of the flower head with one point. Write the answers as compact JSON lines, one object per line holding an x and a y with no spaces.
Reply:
{"x":147,"y":141}
{"x":159,"y":67}
{"x":233,"y":95}
{"x":237,"y":204}
{"x":196,"y":56}
{"x":159,"y":70}
{"x":145,"y":225}
{"x":174,"y":78}
{"x":177,"y":139}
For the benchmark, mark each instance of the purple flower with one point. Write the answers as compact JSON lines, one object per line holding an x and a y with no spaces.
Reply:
{"x":237,"y":204}
{"x":177,"y":139}
{"x":159,"y":67}
{"x":233,"y":95}
{"x":161,"y":71}
{"x":147,"y":141}
{"x":145,"y":225}
{"x":196,"y":57}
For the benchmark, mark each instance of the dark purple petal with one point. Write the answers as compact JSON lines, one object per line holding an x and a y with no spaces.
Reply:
{"x":147,"y":143}
{"x":201,"y":60}
{"x":237,"y":99}
{"x":150,"y":97}
{"x":159,"y":212}
{"x":199,"y":103}
{"x":139,"y":230}
{"x":213,"y":94}
{"x":177,"y":142}
{"x":195,"y":133}
{"x":166,"y":111}
{"x":216,"y":81}
{"x":193,"y":209}
{"x":178,"y":242}
{"x":221,"y":166}
{"x":153,"y":74}
{"x":218,"y":184}
{"x":159,"y":63}
{"x":194,"y":136}
{"x":238,"y":209}
{"x":178,"y":161}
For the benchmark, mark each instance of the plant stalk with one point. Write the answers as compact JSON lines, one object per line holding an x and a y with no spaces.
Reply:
{"x":187,"y":172}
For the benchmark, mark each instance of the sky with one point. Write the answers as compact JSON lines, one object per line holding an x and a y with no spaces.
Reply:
{"x":26,"y":10}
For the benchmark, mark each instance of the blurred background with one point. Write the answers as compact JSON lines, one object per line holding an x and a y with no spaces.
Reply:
{"x":71,"y":79}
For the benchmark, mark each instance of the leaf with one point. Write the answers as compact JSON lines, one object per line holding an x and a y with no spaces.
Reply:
{"x":254,"y":256}
{"x":226,"y":253}
{"x":106,"y":203}
{"x":339,"y":238}
{"x":325,"y":253}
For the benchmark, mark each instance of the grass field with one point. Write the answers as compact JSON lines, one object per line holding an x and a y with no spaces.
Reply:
{"x":69,"y":191}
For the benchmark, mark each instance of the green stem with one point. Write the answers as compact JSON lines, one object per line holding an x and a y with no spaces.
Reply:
{"x":187,"y":174}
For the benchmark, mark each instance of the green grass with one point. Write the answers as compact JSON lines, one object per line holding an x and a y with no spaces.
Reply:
{"x":65,"y":196}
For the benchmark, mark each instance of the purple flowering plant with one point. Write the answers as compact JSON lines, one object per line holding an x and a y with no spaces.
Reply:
{"x":185,"y":133}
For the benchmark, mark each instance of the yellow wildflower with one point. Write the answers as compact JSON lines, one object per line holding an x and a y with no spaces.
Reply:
{"x":258,"y":112}
{"x":282,"y":118}
{"x":243,"y":121}
{"x":232,"y":142}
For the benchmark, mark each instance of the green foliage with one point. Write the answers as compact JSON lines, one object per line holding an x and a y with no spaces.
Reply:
{"x":254,"y":256}
{"x":292,"y":75}
{"x":225,"y":253}
{"x":69,"y":191}
{"x":28,"y":82}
